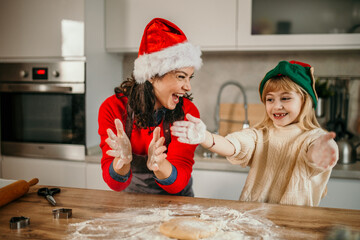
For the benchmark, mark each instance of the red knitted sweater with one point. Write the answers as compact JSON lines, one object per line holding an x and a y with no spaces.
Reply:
{"x":179,"y":155}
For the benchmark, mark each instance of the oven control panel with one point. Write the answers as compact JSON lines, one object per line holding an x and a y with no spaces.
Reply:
{"x":72,"y":71}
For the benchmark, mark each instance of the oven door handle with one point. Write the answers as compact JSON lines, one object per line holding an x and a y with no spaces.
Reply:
{"x":43,"y":88}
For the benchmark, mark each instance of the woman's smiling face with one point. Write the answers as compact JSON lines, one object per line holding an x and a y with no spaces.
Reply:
{"x":173,"y":85}
{"x":283,"y":107}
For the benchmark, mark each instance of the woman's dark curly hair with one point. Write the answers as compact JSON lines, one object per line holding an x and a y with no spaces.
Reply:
{"x":141,"y":100}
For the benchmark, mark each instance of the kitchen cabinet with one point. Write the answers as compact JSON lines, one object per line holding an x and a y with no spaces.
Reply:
{"x":42,"y":28}
{"x":298,"y":25}
{"x":57,"y":30}
{"x":218,"y":184}
{"x":210,"y":24}
{"x":94,"y":179}
{"x":342,"y":193}
{"x":229,"y":184}
{"x":54,"y":172}
{"x":49,"y":171}
{"x":235,"y":25}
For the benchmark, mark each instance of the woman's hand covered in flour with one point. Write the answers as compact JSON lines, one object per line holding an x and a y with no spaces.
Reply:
{"x":156,"y":151}
{"x":323,"y":151}
{"x":120,"y":146}
{"x":192,"y":131}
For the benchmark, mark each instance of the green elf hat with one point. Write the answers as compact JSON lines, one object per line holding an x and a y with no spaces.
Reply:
{"x":300,"y":73}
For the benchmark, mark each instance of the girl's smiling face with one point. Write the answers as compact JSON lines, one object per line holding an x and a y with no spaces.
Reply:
{"x":283,"y":107}
{"x":173,"y":85}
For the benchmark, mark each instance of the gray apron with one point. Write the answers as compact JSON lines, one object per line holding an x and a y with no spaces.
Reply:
{"x":143,"y":180}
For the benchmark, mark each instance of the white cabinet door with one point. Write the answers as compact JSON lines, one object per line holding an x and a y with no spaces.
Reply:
{"x":94,"y":179}
{"x":218,"y":184}
{"x":41,"y":28}
{"x":248,"y":41}
{"x":210,"y":24}
{"x":342,"y":193}
{"x":49,"y":172}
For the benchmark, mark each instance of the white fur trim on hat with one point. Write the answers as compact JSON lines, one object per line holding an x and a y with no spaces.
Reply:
{"x":171,"y":58}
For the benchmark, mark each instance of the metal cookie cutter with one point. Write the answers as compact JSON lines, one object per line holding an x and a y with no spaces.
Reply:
{"x":62,"y":213}
{"x":19,"y":222}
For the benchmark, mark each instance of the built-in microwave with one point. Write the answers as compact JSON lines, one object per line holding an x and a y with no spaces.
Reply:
{"x":42,"y":107}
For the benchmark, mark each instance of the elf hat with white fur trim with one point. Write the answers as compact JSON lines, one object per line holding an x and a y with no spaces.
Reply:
{"x":164,"y":47}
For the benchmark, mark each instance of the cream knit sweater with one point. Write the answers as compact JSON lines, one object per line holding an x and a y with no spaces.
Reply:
{"x":280,"y":171}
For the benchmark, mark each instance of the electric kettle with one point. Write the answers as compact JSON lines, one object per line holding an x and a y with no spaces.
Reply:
{"x":347,"y":152}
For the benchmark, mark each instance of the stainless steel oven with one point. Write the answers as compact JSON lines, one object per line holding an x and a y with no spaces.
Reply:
{"x":43,"y":109}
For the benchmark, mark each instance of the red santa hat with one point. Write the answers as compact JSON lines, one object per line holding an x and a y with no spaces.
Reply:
{"x":164,"y":47}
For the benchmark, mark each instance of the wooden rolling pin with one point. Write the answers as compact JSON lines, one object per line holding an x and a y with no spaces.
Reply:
{"x":15,"y":190}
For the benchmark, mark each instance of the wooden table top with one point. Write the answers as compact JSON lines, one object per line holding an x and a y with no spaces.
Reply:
{"x":95,"y":206}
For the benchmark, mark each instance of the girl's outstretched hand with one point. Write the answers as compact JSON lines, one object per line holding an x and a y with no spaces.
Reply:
{"x":120,"y":146}
{"x":156,"y":151}
{"x":323,"y":151}
{"x":192,"y":131}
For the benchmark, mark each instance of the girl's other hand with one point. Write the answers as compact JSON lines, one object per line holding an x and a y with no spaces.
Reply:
{"x":120,"y":146}
{"x":192,"y":131}
{"x":156,"y":151}
{"x":323,"y":151}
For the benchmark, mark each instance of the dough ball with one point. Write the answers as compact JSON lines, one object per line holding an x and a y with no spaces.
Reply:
{"x":187,"y":228}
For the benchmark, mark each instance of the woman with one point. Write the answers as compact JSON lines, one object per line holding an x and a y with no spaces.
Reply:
{"x":139,"y":154}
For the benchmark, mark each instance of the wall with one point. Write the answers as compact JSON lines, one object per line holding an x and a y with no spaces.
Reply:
{"x":248,"y":68}
{"x":103,"y":70}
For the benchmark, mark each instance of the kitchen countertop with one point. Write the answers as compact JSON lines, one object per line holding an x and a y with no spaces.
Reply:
{"x":349,"y":171}
{"x":104,"y":214}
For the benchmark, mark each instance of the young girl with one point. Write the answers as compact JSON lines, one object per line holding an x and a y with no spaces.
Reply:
{"x":289,"y":155}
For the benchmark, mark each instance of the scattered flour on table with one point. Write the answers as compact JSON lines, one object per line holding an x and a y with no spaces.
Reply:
{"x":143,"y":223}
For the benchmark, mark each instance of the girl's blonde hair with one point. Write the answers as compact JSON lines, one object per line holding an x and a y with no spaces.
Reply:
{"x":306,"y":119}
